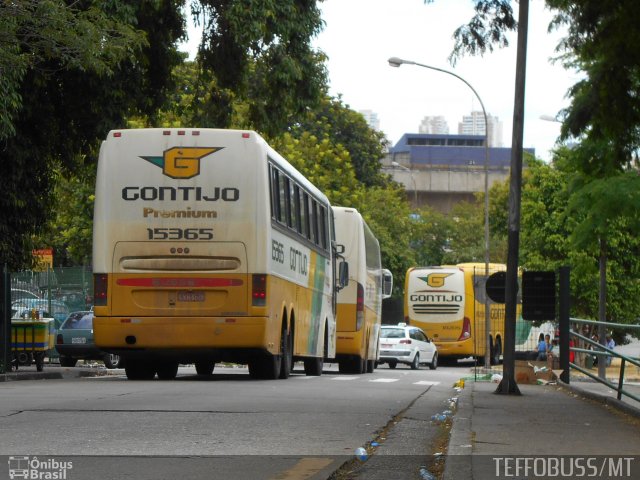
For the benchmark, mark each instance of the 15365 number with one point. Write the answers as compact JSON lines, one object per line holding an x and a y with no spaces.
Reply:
{"x":180,"y":233}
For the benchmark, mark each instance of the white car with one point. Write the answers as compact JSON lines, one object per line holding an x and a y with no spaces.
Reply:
{"x":405,"y":344}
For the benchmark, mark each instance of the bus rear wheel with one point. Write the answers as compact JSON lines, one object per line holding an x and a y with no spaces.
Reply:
{"x":167,"y":370}
{"x":350,"y":365}
{"x":139,"y":370}
{"x":265,"y":367}
{"x":205,"y":367}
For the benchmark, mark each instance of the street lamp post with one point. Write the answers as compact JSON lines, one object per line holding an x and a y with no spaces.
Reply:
{"x":396,"y":62}
{"x":413,"y":180}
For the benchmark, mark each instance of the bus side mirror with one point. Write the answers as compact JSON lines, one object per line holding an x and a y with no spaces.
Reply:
{"x":343,"y":275}
{"x":387,"y":283}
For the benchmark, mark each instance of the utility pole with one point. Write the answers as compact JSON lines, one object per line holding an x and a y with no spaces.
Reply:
{"x":508,"y":385}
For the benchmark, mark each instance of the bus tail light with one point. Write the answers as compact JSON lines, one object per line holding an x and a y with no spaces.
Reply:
{"x":259,"y":290}
{"x":466,"y":329}
{"x":100,"y":289}
{"x":360,"y":307}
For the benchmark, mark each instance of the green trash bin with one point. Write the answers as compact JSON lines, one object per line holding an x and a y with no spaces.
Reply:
{"x":588,"y":361}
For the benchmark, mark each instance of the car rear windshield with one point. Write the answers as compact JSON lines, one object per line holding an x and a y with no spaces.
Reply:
{"x":79,"y":320}
{"x":392,"y":333}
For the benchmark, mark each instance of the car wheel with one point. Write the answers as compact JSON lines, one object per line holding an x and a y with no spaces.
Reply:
{"x":434,"y":363}
{"x":68,"y":361}
{"x":111,"y":360}
{"x":415,"y":365}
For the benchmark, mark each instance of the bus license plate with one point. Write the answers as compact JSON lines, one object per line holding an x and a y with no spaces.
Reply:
{"x":191,"y":296}
{"x":76,"y":340}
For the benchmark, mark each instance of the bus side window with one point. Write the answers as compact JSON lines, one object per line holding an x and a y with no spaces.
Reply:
{"x":307,"y":216}
{"x":297,"y":210}
{"x":314,"y":220}
{"x":283,"y":184}
{"x":322,"y":226}
{"x":292,"y":219}
{"x":274,"y":190}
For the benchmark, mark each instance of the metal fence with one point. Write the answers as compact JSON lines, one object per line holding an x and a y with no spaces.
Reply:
{"x":586,"y":350}
{"x":53,"y":293}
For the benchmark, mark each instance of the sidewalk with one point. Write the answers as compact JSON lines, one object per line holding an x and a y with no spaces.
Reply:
{"x":577,"y":420}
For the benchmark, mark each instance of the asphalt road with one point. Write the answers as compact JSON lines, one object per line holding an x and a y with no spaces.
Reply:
{"x":226,"y":425}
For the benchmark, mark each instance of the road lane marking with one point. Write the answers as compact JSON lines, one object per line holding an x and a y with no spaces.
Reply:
{"x":426,"y":382}
{"x":384,"y":380}
{"x":305,"y":468}
{"x":345,"y":378}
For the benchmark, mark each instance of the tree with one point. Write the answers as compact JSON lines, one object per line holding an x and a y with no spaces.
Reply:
{"x":334,"y":120}
{"x":74,"y":62}
{"x":259,"y":53}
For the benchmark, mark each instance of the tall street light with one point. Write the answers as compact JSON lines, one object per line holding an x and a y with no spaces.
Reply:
{"x":396,"y":62}
{"x":415,"y":190}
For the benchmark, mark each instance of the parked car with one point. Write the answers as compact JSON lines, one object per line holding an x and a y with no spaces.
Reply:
{"x":59,"y":310}
{"x":75,"y":341}
{"x":406,"y":344}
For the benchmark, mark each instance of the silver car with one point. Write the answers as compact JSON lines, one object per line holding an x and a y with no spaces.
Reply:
{"x":406,"y":344}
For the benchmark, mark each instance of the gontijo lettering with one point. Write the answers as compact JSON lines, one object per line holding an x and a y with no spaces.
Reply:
{"x":150,"y":194}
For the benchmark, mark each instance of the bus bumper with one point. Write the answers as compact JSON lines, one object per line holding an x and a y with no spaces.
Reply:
{"x":118,"y":334}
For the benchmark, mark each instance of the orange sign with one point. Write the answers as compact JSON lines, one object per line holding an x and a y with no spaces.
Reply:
{"x":44,"y":258}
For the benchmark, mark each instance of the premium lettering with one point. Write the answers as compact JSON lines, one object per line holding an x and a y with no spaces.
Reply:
{"x":188,"y":213}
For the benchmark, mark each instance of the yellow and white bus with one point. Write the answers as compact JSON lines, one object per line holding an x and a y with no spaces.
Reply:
{"x":448,"y":304}
{"x":209,"y":247}
{"x":360,"y":302}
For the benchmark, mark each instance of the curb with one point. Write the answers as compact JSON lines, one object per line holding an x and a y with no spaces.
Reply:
{"x":458,"y":460}
{"x":8,"y":377}
{"x":604,"y":399}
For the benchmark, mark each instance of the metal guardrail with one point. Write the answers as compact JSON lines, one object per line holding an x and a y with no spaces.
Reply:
{"x":602,"y":351}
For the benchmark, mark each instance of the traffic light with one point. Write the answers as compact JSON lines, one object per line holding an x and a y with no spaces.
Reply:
{"x":539,"y":295}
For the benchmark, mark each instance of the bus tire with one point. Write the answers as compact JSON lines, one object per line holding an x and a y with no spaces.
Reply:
{"x":313,"y":366}
{"x":371,"y":365}
{"x":434,"y":363}
{"x":496,"y":351}
{"x":167,"y":370}
{"x":265,"y":367}
{"x":350,"y":365}
{"x":205,"y":367}
{"x":139,"y":370}
{"x":415,"y":365}
{"x":286,"y":354}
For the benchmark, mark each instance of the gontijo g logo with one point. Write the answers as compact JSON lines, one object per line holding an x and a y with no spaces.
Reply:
{"x":182,"y":162}
{"x":435,"y":280}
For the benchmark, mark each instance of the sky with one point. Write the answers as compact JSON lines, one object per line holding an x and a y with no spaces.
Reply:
{"x":361,"y":35}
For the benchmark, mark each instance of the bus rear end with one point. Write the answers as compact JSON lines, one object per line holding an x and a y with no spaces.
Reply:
{"x":175,"y":231}
{"x":435,"y":300}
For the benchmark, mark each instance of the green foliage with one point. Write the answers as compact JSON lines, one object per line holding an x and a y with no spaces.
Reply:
{"x":334,"y":120}
{"x":258,"y":53}
{"x":71,"y":229}
{"x":85,"y":69}
{"x":605,"y":108}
